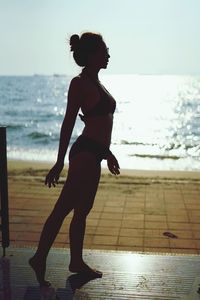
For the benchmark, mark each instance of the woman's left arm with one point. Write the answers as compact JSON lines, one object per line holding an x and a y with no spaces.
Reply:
{"x":113,"y":164}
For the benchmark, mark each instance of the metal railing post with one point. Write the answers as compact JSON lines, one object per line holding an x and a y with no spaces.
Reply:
{"x":4,"y":226}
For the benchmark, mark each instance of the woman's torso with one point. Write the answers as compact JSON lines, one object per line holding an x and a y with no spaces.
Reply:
{"x":97,"y":100}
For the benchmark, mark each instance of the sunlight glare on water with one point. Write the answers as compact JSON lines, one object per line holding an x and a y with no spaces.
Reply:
{"x":155,"y":111}
{"x":143,"y":102}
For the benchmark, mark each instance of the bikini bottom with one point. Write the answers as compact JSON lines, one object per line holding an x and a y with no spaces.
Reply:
{"x":84,"y":143}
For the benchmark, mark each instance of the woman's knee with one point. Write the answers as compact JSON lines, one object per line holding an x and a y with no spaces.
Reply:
{"x":58,"y":213}
{"x":62,"y":207}
{"x":82,"y":213}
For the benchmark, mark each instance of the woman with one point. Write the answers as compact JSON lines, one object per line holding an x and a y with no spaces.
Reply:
{"x":78,"y":193}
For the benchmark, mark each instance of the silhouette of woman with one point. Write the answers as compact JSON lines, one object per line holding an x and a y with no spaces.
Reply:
{"x":85,"y":156}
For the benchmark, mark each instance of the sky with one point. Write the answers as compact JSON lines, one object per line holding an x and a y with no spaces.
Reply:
{"x":143,"y":36}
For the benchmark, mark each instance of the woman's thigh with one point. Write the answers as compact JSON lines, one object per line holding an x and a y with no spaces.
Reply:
{"x":82,"y":182}
{"x":83,"y":176}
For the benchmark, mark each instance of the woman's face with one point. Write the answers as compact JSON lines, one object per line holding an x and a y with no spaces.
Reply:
{"x":100,"y":59}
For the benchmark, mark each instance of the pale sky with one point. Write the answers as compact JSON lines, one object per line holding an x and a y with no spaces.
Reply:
{"x":144,"y":36}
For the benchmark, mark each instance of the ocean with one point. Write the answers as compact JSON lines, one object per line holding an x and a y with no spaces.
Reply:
{"x":156,"y":122}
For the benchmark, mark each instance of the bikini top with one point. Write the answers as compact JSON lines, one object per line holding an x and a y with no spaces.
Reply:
{"x":104,"y":106}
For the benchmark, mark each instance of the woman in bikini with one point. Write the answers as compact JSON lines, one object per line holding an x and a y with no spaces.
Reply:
{"x":85,"y":156}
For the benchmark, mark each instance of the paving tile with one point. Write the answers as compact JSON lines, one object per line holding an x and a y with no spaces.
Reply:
{"x":154,"y":233}
{"x":105,"y":240}
{"x":115,"y":203}
{"x":132,"y":224}
{"x":197,"y":243}
{"x":130,"y":241}
{"x":92,"y":222}
{"x":175,"y":206}
{"x":195,"y":226}
{"x":97,"y":208}
{"x":134,"y":210}
{"x":14,"y":235}
{"x":156,"y":242}
{"x":154,"y":225}
{"x":28,"y":236}
{"x":19,"y":243}
{"x":90,"y":229}
{"x":195,"y":213}
{"x":191,"y":193}
{"x":176,"y":212}
{"x":62,"y":238}
{"x":107,"y":231}
{"x":25,"y":227}
{"x":111,"y":216}
{"x":179,"y":225}
{"x":196,"y":234}
{"x":131,"y":232}
{"x":134,"y":217}
{"x":130,"y":248}
{"x":94,"y":215}
{"x":88,"y":239}
{"x":155,"y":201}
{"x":194,"y":219}
{"x":155,"y":218}
{"x":138,"y":194}
{"x":134,"y":204}
{"x":191,"y":200}
{"x":155,"y":211}
{"x":103,"y":247}
{"x":66,"y":223}
{"x":113,"y":209}
{"x":109,"y":223}
{"x":158,"y":206}
{"x":182,"y":243}
{"x":191,"y":206}
{"x":175,"y":218}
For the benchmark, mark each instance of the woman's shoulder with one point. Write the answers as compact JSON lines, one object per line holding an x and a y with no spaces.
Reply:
{"x":76,"y":80}
{"x":80,"y":82}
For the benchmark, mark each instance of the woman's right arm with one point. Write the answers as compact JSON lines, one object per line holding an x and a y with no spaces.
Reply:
{"x":73,"y":105}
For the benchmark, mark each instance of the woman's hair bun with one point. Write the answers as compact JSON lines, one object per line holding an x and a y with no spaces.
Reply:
{"x":74,"y":41}
{"x":82,"y":47}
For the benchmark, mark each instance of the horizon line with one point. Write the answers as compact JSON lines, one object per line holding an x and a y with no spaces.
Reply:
{"x":110,"y":74}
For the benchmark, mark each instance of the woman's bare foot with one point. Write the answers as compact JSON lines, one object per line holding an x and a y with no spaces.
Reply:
{"x":39,"y":269}
{"x":84,"y":268}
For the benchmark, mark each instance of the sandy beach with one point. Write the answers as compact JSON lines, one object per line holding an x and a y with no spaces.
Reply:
{"x":151,"y":211}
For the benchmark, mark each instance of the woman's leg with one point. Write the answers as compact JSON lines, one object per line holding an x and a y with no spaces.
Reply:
{"x":81,"y":171}
{"x":49,"y":232}
{"x":89,"y":176}
{"x":53,"y":223}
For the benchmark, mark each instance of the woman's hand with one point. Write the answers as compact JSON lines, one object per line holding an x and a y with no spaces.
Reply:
{"x":53,"y":175}
{"x":113,"y":165}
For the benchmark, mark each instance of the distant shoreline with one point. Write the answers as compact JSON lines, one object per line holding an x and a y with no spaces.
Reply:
{"x":20,"y":166}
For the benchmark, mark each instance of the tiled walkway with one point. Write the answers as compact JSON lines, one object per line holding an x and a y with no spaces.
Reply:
{"x":127,"y":215}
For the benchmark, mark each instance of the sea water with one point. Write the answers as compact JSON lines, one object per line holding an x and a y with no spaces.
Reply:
{"x":156,"y":122}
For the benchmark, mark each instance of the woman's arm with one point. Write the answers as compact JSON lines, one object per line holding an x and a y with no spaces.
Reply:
{"x":113,"y":164}
{"x":73,"y":105}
